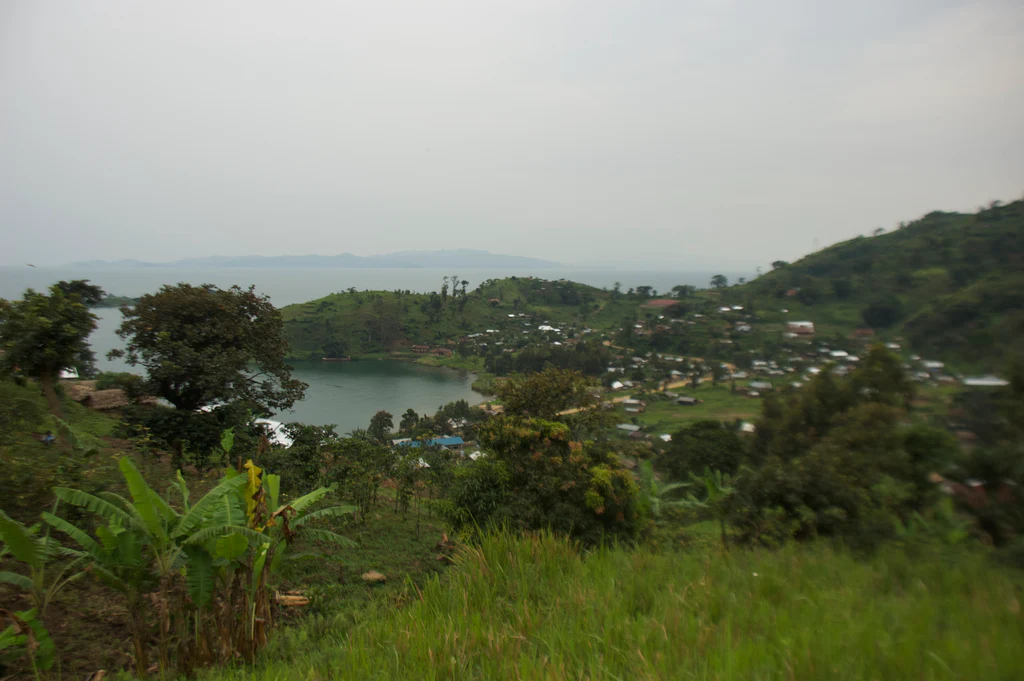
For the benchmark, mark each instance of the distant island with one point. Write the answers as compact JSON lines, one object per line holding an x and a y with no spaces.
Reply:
{"x":464,"y":258}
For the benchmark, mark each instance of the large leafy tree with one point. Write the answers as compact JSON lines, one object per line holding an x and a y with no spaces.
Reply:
{"x":381,"y":426}
{"x":536,"y":476}
{"x":562,"y":395}
{"x":701,"y":445}
{"x":201,"y":345}
{"x":42,"y":334}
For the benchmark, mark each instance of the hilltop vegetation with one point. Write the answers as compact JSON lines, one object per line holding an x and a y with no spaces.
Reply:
{"x":951,"y":283}
{"x":362,"y":322}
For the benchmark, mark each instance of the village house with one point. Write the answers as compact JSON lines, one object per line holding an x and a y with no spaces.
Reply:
{"x":443,"y":352}
{"x":454,"y":444}
{"x":985,"y":382}
{"x":803,"y":328}
{"x":421,"y":349}
{"x":635,"y":406}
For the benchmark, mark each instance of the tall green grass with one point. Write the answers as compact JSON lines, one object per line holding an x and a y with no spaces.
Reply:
{"x":534,"y":608}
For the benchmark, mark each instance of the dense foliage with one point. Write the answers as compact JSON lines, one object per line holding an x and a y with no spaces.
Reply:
{"x":41,"y":334}
{"x":835,"y":459}
{"x":537,"y":477}
{"x":951,"y":281}
{"x":201,"y":345}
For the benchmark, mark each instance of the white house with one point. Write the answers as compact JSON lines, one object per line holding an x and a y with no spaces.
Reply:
{"x":986,"y":382}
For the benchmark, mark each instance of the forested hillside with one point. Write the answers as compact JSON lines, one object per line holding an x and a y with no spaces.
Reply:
{"x":951,"y":283}
{"x":359,"y":322}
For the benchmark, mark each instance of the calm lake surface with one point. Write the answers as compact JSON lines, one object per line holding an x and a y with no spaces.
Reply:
{"x":344,"y":393}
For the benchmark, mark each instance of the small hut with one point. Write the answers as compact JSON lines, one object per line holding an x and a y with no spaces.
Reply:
{"x":103,"y":400}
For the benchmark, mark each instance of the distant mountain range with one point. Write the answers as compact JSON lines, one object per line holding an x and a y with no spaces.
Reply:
{"x":464,"y":258}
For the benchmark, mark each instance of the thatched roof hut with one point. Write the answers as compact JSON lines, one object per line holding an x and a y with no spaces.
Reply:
{"x":79,"y":391}
{"x":102,"y":400}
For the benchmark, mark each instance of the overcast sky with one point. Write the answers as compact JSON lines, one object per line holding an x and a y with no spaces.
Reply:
{"x":695,"y":132}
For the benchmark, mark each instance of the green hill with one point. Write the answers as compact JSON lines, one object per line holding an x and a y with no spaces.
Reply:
{"x":952,"y":284}
{"x":362,"y":322}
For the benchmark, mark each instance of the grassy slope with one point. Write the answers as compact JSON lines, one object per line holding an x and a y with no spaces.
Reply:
{"x":29,"y":468}
{"x":957,"y":276}
{"x":533,"y":609}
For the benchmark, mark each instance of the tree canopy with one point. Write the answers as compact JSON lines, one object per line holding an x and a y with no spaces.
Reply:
{"x":42,"y":334}
{"x":201,"y":345}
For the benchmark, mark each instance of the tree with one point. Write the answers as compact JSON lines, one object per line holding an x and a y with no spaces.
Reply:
{"x":842,"y":288}
{"x":408,"y":423}
{"x":42,"y":334}
{"x":683,"y":291}
{"x":703,"y":444}
{"x":381,"y":426}
{"x":883,"y":313}
{"x":201,"y":345}
{"x":779,"y":263}
{"x":719,"y":281}
{"x":536,"y":476}
{"x":644,"y":292}
{"x":89,"y":294}
{"x":562,"y":395}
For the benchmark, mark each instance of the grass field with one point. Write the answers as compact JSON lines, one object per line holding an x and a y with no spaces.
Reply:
{"x":665,"y":416}
{"x":533,"y":608}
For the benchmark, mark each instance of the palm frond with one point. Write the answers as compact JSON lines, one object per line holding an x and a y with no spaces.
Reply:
{"x":191,"y":520}
{"x":19,"y":542}
{"x":144,"y":498}
{"x":207,"y":533}
{"x":94,"y":504}
{"x":332,"y":512}
{"x":13,"y":578}
{"x":83,"y":539}
{"x":304,"y":502}
{"x":327,"y":536}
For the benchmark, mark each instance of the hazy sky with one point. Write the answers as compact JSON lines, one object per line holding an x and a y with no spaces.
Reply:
{"x":693,"y":132}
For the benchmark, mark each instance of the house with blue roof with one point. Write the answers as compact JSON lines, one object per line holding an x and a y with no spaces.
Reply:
{"x":453,"y":443}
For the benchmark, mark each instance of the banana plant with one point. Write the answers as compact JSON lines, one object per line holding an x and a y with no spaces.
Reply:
{"x":717,"y":488}
{"x":280,"y":527}
{"x":210,"y":561}
{"x":655,"y":493}
{"x":144,"y":541}
{"x":26,"y":633}
{"x":37,"y":553}
{"x":26,"y":636}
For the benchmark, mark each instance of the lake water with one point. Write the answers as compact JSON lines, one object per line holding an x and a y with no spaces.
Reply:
{"x":288,"y":286}
{"x":344,"y":393}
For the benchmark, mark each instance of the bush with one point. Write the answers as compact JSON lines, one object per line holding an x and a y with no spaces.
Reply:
{"x":537,"y":477}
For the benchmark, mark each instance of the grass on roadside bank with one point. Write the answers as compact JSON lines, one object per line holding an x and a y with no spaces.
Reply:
{"x":533,"y":608}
